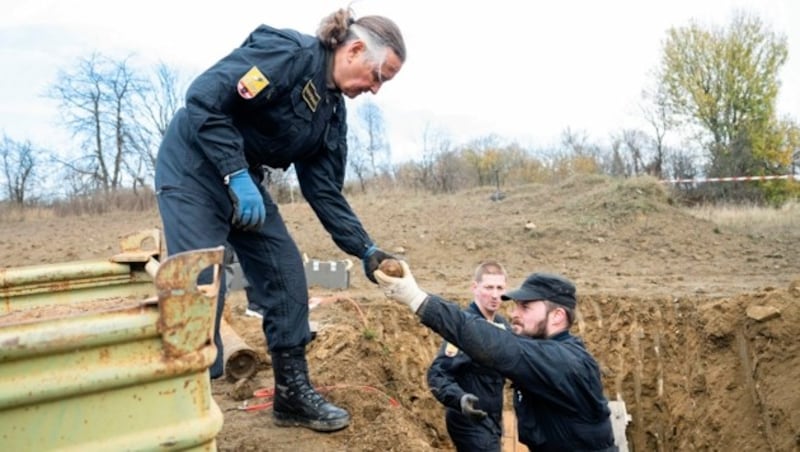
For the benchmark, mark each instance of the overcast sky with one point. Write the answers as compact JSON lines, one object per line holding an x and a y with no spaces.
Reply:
{"x":523,"y":70}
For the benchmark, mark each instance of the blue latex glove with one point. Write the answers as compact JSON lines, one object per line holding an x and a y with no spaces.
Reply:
{"x":372,"y":259}
{"x":248,"y":205}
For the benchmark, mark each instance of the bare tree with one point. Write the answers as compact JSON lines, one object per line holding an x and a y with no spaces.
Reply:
{"x":432,"y":172}
{"x":618,"y":166}
{"x":376,"y":144}
{"x":19,"y":165}
{"x":368,"y":154}
{"x":165,"y":99}
{"x":156,"y":103}
{"x":684,"y":165}
{"x":97,"y":101}
{"x":358,"y":160}
{"x":634,"y":144}
{"x":124,"y":86}
{"x":581,"y":156}
{"x":483,"y":156}
{"x":449,"y":166}
{"x":576,"y":143}
{"x":657,"y":113}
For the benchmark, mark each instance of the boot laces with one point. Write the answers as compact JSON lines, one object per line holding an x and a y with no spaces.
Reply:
{"x":303,"y":389}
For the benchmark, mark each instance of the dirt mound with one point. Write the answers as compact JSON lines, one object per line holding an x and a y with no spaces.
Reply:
{"x":369,"y":356}
{"x":695,"y":374}
{"x":695,"y":325}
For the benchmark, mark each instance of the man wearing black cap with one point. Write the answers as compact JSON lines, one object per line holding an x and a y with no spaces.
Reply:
{"x":559,"y":397}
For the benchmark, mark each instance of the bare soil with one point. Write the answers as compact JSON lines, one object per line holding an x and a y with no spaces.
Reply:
{"x":695,"y":325}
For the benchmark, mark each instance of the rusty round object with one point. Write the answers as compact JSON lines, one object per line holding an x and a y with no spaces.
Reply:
{"x":391,"y":267}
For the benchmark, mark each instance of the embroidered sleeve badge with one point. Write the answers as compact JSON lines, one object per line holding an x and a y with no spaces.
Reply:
{"x":252,"y":83}
{"x":450,"y":350}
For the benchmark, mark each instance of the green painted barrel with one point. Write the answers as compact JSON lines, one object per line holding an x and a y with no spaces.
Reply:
{"x":109,"y":373}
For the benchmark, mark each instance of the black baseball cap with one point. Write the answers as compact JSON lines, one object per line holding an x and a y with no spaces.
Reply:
{"x":545,"y":286}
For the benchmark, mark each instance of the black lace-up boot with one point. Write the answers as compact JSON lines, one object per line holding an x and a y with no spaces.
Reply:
{"x":296,"y":403}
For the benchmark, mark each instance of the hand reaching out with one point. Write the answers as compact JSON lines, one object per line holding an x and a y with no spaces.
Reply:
{"x":403,"y":289}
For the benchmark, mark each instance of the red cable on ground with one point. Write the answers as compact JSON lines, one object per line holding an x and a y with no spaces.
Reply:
{"x":358,"y":308}
{"x":314,"y":301}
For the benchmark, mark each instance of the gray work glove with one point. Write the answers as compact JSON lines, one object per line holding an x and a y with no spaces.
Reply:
{"x":468,"y":409}
{"x":403,"y":289}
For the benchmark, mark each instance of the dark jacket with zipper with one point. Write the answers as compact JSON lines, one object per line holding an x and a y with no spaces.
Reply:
{"x":453,"y":373}
{"x":294,"y":116}
{"x":559,"y":400}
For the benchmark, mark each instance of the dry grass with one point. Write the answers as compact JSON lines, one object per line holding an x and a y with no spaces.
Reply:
{"x":757,"y":220}
{"x":100,"y":202}
{"x":14,"y":214}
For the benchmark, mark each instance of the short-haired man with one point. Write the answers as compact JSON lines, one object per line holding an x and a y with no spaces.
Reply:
{"x":471,"y":393}
{"x":559,"y":398}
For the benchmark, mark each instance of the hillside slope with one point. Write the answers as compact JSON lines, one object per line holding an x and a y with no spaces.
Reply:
{"x":667,"y":304}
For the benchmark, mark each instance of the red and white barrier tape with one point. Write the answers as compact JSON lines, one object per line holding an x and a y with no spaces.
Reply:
{"x":727,"y":179}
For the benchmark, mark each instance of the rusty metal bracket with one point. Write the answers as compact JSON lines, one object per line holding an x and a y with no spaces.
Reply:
{"x":180,"y":298}
{"x":141,"y":247}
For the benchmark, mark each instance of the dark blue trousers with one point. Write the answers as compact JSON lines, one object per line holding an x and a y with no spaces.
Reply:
{"x":196,"y":213}
{"x":469,"y":436}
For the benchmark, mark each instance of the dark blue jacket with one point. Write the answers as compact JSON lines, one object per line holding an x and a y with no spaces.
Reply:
{"x":291,"y":115}
{"x":453,"y":373}
{"x":559,"y":398}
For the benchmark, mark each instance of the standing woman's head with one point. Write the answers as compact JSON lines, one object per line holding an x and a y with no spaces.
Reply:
{"x":367,"y":52}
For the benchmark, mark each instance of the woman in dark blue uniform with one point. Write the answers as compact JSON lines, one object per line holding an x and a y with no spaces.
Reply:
{"x":275,"y":101}
{"x":558,"y":399}
{"x":471,"y":393}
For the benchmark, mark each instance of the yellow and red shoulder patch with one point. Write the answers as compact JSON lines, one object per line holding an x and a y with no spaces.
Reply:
{"x":450,"y":350}
{"x":252,"y":83}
